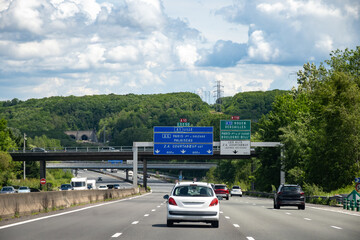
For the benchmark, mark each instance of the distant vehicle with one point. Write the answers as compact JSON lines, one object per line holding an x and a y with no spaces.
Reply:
{"x":109,"y":149}
{"x":114,"y":170}
{"x":289,"y":195}
{"x":130,"y":173}
{"x":91,"y":184}
{"x":66,"y":187}
{"x":102,"y":187}
{"x":110,"y":186}
{"x":192,"y":202}
{"x":8,"y":189}
{"x":37,"y":149}
{"x":99,"y":179}
{"x":236,"y":191}
{"x":24,"y":189}
{"x":116,"y":186}
{"x":221,"y":190}
{"x":79,"y":183}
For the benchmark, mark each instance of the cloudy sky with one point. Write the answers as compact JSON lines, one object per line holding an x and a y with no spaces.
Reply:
{"x":86,"y":47}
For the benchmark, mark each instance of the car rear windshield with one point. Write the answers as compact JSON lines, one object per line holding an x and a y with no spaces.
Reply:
{"x":291,"y":189}
{"x":236,"y":187}
{"x":220,"y":187}
{"x":193,"y":191}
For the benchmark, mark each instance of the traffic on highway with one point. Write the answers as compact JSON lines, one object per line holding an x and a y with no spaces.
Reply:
{"x":145,"y":217}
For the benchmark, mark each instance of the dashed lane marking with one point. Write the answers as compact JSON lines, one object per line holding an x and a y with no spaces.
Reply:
{"x":236,"y":225}
{"x":135,"y":222}
{"x":153,"y":210}
{"x":116,"y":235}
{"x":336,"y":227}
{"x":146,"y":215}
{"x":250,"y":238}
{"x":307,"y":219}
{"x":227,"y":217}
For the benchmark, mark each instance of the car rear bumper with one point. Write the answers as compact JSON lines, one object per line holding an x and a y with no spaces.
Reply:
{"x":291,"y":202}
{"x":193,"y":216}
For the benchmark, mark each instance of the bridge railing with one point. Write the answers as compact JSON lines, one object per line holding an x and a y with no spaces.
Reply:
{"x":88,"y":149}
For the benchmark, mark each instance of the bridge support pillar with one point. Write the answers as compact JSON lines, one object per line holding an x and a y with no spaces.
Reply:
{"x":42,"y":169}
{"x":145,"y":173}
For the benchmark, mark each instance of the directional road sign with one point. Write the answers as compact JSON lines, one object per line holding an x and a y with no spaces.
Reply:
{"x":235,"y":148}
{"x":183,"y":140}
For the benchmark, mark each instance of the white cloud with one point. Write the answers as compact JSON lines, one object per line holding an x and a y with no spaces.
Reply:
{"x":187,"y":54}
{"x":260,"y":49}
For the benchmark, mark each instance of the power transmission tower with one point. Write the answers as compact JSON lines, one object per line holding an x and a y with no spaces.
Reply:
{"x":218,"y":95}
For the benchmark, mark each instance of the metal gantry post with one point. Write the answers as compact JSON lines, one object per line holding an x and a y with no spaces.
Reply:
{"x":135,"y":163}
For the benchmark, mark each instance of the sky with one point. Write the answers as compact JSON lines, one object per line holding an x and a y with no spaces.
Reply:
{"x":91,"y":47}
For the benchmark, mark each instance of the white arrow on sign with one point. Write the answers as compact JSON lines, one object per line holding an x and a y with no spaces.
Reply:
{"x":157,"y":150}
{"x":183,"y":151}
{"x":209,"y":151}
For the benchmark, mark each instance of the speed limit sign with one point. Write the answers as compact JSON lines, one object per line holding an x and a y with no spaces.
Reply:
{"x":357,"y":187}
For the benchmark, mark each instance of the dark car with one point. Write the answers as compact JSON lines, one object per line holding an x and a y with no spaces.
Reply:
{"x":66,"y":187}
{"x":221,"y":190}
{"x":289,"y":195}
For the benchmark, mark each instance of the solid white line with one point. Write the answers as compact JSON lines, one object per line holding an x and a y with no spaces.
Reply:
{"x":236,"y":225}
{"x":65,"y":213}
{"x":116,"y":235}
{"x":158,"y":206}
{"x":250,"y":238}
{"x":308,"y":219}
{"x":336,"y":227}
{"x":135,"y":222}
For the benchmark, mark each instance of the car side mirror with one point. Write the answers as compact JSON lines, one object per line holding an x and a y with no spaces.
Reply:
{"x":166,"y":196}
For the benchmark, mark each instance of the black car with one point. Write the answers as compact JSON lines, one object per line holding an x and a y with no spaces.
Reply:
{"x":289,"y":195}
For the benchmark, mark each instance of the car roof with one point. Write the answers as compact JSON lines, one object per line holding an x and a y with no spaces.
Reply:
{"x":191,"y":183}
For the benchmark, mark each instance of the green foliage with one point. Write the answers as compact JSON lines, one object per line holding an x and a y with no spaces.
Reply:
{"x":6,"y":142}
{"x":319,"y":125}
{"x":7,"y":169}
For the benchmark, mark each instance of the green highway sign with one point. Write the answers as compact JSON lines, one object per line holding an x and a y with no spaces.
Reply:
{"x":235,"y":135}
{"x":235,"y":125}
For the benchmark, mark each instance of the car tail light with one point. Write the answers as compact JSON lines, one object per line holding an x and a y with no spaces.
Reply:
{"x":172,"y":201}
{"x":214,"y":202}
{"x":302,"y":193}
{"x":279,"y":193}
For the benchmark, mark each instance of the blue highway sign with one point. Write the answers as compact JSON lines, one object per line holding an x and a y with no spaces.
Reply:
{"x":183,"y":140}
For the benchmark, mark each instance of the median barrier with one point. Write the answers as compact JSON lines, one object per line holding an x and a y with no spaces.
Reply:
{"x":20,"y":204}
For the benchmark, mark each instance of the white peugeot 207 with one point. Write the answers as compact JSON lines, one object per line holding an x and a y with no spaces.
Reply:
{"x":192,"y":202}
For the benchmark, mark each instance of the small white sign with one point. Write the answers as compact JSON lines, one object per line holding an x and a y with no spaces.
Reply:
{"x":235,"y":148}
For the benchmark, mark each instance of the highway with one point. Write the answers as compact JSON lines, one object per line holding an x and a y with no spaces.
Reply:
{"x":143,"y":217}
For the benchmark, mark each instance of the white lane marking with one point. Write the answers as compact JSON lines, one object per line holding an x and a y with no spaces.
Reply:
{"x":153,"y":210}
{"x":337,"y":211}
{"x":227,"y":217}
{"x":288,"y":213}
{"x":72,"y":211}
{"x":236,"y":225}
{"x":158,"y":206}
{"x":254,"y":204}
{"x":116,"y":235}
{"x":146,"y":215}
{"x":250,"y":238}
{"x":135,"y":222}
{"x":336,"y":227}
{"x":221,"y":212}
{"x":307,"y":219}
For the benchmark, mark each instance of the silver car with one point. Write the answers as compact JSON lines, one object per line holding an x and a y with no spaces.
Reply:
{"x":8,"y":189}
{"x":23,"y":190}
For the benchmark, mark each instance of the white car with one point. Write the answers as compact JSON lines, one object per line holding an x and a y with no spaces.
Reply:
{"x":103,"y":187}
{"x":236,"y":191}
{"x":192,"y":202}
{"x":23,"y":190}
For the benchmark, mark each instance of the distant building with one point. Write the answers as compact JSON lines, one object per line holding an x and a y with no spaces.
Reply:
{"x":89,"y":135}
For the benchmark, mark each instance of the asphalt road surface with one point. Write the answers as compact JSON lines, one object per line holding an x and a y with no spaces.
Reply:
{"x":144,"y":217}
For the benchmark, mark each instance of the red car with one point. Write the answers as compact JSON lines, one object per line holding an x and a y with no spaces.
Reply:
{"x":221,"y":190}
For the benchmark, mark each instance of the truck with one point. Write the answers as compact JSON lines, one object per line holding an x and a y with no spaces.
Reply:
{"x":79,"y":183}
{"x":91,"y":184}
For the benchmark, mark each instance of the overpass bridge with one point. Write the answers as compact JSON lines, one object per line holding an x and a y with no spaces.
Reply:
{"x":108,"y":165}
{"x":142,"y":151}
